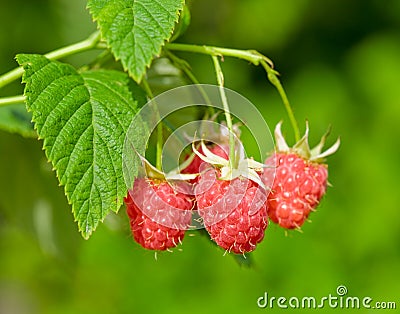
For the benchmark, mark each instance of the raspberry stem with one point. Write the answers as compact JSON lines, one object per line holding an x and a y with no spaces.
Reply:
{"x":272,"y":77}
{"x":5,"y":101}
{"x":159,"y":131}
{"x":255,"y":58}
{"x":220,"y":80}
{"x":92,"y":42}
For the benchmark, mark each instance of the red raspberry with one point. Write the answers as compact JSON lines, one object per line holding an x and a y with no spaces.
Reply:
{"x":158,"y":214}
{"x":297,"y":188}
{"x":298,"y":178}
{"x":234,"y":211}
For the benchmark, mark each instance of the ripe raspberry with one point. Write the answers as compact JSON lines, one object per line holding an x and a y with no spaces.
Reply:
{"x":158,"y":215}
{"x":299,"y":180}
{"x":297,"y":189}
{"x":234,"y":211}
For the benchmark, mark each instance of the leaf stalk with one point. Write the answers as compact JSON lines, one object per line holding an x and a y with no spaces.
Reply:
{"x":5,"y":101}
{"x":252,"y":56}
{"x":90,"y":43}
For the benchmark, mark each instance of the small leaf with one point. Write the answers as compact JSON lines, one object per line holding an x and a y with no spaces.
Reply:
{"x":330,"y":151}
{"x":150,"y":170}
{"x":135,"y":30}
{"x":15,"y":119}
{"x":251,"y":163}
{"x":302,"y":147}
{"x":281,"y":144}
{"x":82,"y":119}
{"x":318,"y":149}
{"x":210,"y":157}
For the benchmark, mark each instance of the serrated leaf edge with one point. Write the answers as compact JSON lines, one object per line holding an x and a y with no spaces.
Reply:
{"x":155,"y":55}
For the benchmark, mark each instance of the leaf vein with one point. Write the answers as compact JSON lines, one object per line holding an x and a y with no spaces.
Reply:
{"x":151,"y":14}
{"x":56,"y":106}
{"x":117,"y":93}
{"x":63,"y":127}
{"x":77,"y":185}
{"x":117,"y":188}
{"x":73,"y":151}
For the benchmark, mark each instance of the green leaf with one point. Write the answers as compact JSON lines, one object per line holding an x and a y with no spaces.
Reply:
{"x":15,"y":119}
{"x":136,"y":30}
{"x":82,"y":119}
{"x":183,"y":24}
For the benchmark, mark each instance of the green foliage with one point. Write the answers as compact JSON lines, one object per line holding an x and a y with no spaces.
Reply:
{"x":184,"y":22}
{"x":339,"y":62}
{"x":136,"y":30}
{"x":83,"y":119}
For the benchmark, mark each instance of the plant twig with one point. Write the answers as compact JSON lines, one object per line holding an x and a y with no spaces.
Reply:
{"x":5,"y":101}
{"x":87,"y":44}
{"x":220,"y":80}
{"x":255,"y":58}
{"x":272,"y":77}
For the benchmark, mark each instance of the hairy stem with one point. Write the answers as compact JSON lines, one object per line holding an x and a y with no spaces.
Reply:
{"x":220,"y":80}
{"x":255,"y":58}
{"x":87,"y":44}
{"x":249,"y":55}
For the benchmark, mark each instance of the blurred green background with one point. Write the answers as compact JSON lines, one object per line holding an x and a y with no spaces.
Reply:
{"x":340,"y":63}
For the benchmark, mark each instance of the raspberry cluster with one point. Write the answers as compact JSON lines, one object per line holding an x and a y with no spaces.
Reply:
{"x":234,"y":206}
